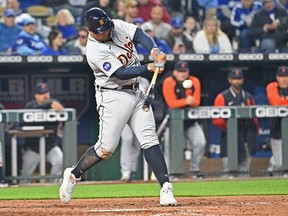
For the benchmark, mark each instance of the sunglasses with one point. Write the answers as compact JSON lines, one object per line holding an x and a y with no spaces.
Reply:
{"x":82,"y":36}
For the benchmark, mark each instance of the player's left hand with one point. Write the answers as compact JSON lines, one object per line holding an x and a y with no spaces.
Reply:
{"x":154,"y":65}
{"x":158,"y":55}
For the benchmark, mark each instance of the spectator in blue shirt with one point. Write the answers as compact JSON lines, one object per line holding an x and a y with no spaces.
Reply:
{"x":241,"y":18}
{"x":28,"y":42}
{"x":8,"y":31}
{"x":66,"y":24}
{"x":162,"y":45}
{"x":56,"y":42}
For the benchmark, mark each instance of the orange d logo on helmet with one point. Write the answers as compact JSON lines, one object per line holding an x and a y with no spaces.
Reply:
{"x":101,"y":22}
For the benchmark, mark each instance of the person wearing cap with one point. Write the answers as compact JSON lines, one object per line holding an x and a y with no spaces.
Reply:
{"x":161,"y":28}
{"x":211,"y":39}
{"x":14,"y":5}
{"x":241,"y":19}
{"x":28,"y":42}
{"x":162,"y":44}
{"x":178,"y":96}
{"x":145,"y":7}
{"x":8,"y":31}
{"x":277,"y":94}
{"x":138,"y":21}
{"x":54,"y":154}
{"x":235,"y":95}
{"x":269,"y":25}
{"x":176,"y":40}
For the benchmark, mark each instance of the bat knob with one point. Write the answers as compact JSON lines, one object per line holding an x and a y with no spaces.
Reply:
{"x":146,"y":108}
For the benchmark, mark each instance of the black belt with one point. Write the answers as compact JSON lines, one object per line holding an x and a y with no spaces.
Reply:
{"x":134,"y":87}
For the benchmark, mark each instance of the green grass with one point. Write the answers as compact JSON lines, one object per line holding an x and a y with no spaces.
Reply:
{"x":217,"y":188}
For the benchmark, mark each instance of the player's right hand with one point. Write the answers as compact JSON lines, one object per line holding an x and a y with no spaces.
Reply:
{"x":154,"y":65}
{"x":158,"y":55}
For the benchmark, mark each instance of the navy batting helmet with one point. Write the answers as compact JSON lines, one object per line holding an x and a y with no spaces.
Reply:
{"x":97,"y":20}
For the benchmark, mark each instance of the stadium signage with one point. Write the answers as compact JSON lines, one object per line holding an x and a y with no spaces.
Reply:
{"x":278,"y":56}
{"x":72,"y":58}
{"x":39,"y":59}
{"x":251,"y":56}
{"x":208,"y":113}
{"x":3,"y":117}
{"x":221,"y":57}
{"x":266,"y":112}
{"x":50,"y":116}
{"x":191,"y":57}
{"x":9,"y":59}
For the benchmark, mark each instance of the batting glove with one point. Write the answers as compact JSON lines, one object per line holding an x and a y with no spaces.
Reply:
{"x":158,"y":55}
{"x":154,"y":65}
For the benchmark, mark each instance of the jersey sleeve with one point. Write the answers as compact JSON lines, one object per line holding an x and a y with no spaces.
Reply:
{"x":129,"y":28}
{"x":273,"y":95}
{"x":219,"y":122}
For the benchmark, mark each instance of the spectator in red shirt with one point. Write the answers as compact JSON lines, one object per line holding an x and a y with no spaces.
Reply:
{"x":144,"y":9}
{"x":277,"y":93}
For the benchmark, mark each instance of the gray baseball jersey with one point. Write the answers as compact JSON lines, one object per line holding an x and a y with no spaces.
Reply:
{"x":106,"y":58}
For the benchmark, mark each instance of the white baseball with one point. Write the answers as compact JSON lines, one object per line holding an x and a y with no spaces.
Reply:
{"x":187,"y":84}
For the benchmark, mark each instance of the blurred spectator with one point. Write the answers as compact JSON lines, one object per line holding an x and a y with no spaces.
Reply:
{"x":270,"y":26}
{"x":190,"y":28}
{"x":27,"y":3}
{"x":131,"y":11}
{"x":3,"y":3}
{"x":211,"y":39}
{"x":120,"y":8}
{"x":28,"y":42}
{"x":66,"y":24}
{"x":177,"y":95}
{"x":130,"y":146}
{"x":277,"y":94}
{"x":241,"y":18}
{"x":161,"y":29}
{"x":56,"y":43}
{"x":138,"y":21}
{"x":8,"y":31}
{"x":282,"y":4}
{"x":176,"y":40}
{"x":3,"y":183}
{"x":162,"y":45}
{"x":78,"y":46}
{"x":54,"y":154}
{"x":14,"y":5}
{"x":144,"y":10}
{"x":247,"y":128}
{"x":103,"y":4}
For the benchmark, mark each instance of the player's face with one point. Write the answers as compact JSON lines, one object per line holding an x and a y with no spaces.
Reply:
{"x":236,"y":83}
{"x":42,"y":98}
{"x":102,"y":37}
{"x":282,"y":81}
{"x":247,"y":3}
{"x":181,"y":75}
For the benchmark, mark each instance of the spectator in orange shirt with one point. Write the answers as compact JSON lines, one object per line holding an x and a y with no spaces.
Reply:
{"x":177,"y":97}
{"x":277,"y":93}
{"x":237,"y":96}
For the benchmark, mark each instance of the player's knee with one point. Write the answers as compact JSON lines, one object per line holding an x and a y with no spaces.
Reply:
{"x":104,"y":153}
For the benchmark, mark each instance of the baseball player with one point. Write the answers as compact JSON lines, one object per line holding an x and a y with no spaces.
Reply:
{"x":130,"y":148}
{"x":113,"y":58}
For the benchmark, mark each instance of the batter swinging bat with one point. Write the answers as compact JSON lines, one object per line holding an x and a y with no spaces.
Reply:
{"x":149,"y":94}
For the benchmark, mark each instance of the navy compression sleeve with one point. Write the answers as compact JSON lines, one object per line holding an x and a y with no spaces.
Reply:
{"x":130,"y":72}
{"x":144,"y":39}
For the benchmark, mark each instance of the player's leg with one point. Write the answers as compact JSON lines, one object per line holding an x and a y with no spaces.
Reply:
{"x":30,"y":162}
{"x":55,"y":158}
{"x":276,"y":146}
{"x":197,"y":138}
{"x":126,"y":153}
{"x":143,"y":125}
{"x":135,"y":149}
{"x":114,"y":108}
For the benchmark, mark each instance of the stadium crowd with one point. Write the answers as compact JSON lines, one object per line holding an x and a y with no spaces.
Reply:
{"x":49,"y":27}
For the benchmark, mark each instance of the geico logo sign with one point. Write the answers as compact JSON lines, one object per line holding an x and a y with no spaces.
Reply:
{"x":250,"y":57}
{"x":209,"y":113}
{"x":278,"y":56}
{"x":75,"y":58}
{"x":45,"y":116}
{"x":0,"y":117}
{"x":262,"y":112}
{"x":191,"y":57}
{"x":12,"y":59}
{"x":221,"y":57}
{"x":39,"y":58}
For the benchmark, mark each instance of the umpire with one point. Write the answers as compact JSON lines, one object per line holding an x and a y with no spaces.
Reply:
{"x":235,"y":95}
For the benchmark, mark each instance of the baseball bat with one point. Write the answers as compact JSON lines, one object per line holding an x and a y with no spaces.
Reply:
{"x":149,"y":94}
